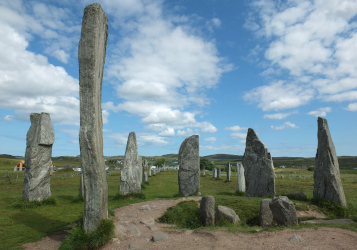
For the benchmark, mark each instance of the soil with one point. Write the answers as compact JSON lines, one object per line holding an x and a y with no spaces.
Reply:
{"x":135,"y":226}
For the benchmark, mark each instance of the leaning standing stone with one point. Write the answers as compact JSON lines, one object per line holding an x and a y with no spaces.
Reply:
{"x":240,"y":177}
{"x":40,"y":138}
{"x":283,"y":211}
{"x":91,"y":57}
{"x":327,"y":180}
{"x":189,"y":167}
{"x":258,"y":167}
{"x":130,"y":177}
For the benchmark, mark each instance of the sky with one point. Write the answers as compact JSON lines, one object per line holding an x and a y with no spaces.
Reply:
{"x":181,"y":67}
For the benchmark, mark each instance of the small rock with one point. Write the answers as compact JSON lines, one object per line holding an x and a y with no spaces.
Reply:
{"x":283,"y":211}
{"x":134,"y":231}
{"x":145,"y":208}
{"x":227,"y":213}
{"x":147,"y":222}
{"x":159,"y":237}
{"x":296,"y":237}
{"x":132,"y":246}
{"x":152,"y":227}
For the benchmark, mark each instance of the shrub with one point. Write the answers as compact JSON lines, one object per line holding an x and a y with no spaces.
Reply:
{"x":184,"y":215}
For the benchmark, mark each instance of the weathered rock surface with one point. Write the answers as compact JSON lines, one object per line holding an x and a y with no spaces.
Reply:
{"x":227,"y":214}
{"x":140,"y":164}
{"x":91,"y":57}
{"x":297,"y":238}
{"x":214,"y":172}
{"x":81,"y":186}
{"x":40,"y":137}
{"x":206,"y":212}
{"x":327,"y":180}
{"x":131,"y":173}
{"x":240,"y":177}
{"x":265,"y":215}
{"x":297,"y":196}
{"x":258,"y":167}
{"x":189,"y":167}
{"x":229,"y":171}
{"x":283,"y":210}
{"x":159,"y":237}
{"x":145,"y":171}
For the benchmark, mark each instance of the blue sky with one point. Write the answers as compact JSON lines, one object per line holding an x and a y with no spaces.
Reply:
{"x":181,"y":67}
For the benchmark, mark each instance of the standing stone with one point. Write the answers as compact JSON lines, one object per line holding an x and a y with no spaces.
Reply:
{"x":150,"y":171}
{"x":140,"y":163}
{"x":214,"y":173}
{"x":327,"y":180}
{"x":240,"y":177}
{"x":229,"y":171}
{"x":91,"y":57}
{"x":283,"y":211}
{"x":81,"y":186}
{"x":189,"y":170}
{"x":203,"y":171}
{"x":40,"y":138}
{"x":265,"y":215}
{"x":130,"y":178}
{"x":206,"y":211}
{"x":145,"y":170}
{"x":218,"y":177}
{"x":258,"y":167}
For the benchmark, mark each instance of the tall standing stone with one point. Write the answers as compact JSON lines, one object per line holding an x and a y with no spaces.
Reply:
{"x":91,"y":57}
{"x":218,"y":174}
{"x":258,"y":167}
{"x":189,"y":170}
{"x":40,"y":137}
{"x":327,"y":180}
{"x":140,"y":164}
{"x":214,"y":172}
{"x":145,"y":170}
{"x":229,"y":171}
{"x":131,"y":173}
{"x":240,"y":177}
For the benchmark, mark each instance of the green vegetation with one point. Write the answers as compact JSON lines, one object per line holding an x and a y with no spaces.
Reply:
{"x":183,"y":215}
{"x":22,"y":222}
{"x":160,"y":162}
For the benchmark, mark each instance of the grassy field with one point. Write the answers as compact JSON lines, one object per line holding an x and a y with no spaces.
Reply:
{"x":21,"y":225}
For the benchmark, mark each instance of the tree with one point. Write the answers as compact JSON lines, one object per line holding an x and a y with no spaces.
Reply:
{"x":160,"y":162}
{"x":205,"y":164}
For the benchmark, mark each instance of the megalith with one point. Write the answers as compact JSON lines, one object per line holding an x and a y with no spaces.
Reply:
{"x":39,"y":141}
{"x":229,"y":171}
{"x":218,"y":177}
{"x":283,"y":210}
{"x":214,"y":172}
{"x":140,"y":164}
{"x":327,"y":180}
{"x":131,"y":173}
{"x":145,"y":170}
{"x":240,"y":177}
{"x":206,"y":212}
{"x":265,"y":214}
{"x":258,"y":167}
{"x":91,"y":57}
{"x":189,"y":167}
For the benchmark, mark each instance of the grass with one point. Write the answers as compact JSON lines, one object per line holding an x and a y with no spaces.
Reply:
{"x":22,"y":222}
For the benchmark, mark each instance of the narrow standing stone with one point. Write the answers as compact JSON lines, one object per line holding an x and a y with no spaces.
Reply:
{"x":258,"y":167}
{"x":189,"y":170}
{"x":91,"y":57}
{"x":214,"y":173}
{"x":130,"y":177}
{"x":229,"y":171}
{"x":218,"y":174}
{"x":140,"y":165}
{"x":206,"y":212}
{"x":240,"y":177}
{"x":40,"y":138}
{"x":327,"y":180}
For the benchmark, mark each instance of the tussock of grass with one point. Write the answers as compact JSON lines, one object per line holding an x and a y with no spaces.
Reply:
{"x":22,"y":204}
{"x":79,"y":240}
{"x":334,"y":210}
{"x":184,"y":215}
{"x":129,"y":196}
{"x":111,"y":211}
{"x":238,"y":193}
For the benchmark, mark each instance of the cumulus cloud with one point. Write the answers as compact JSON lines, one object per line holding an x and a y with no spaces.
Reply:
{"x":238,"y":135}
{"x":211,"y":139}
{"x":285,"y":126}
{"x":315,"y":42}
{"x":278,"y":116}
{"x":352,"y":107}
{"x":235,"y":128}
{"x":320,"y":111}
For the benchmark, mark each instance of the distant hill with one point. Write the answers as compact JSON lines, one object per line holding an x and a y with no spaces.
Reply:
{"x":7,"y":156}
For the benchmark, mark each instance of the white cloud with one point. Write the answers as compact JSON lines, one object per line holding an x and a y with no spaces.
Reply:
{"x":352,"y":107}
{"x":285,"y":126}
{"x":8,"y":117}
{"x":61,"y":55}
{"x":280,"y":95}
{"x":187,"y":132}
{"x":235,"y":128}
{"x":238,"y":135}
{"x":320,"y":111}
{"x":28,"y":83}
{"x":278,"y":116}
{"x":315,"y":42}
{"x":211,"y":139}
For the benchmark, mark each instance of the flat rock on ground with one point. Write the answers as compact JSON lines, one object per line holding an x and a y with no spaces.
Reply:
{"x":322,"y":238}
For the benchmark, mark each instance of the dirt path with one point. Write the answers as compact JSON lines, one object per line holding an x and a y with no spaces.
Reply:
{"x":135,"y":226}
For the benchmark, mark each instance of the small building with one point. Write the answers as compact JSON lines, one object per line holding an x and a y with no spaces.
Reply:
{"x":20,"y":166}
